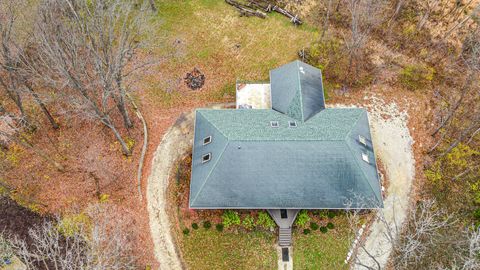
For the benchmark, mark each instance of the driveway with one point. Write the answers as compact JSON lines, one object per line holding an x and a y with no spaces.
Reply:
{"x":175,"y":144}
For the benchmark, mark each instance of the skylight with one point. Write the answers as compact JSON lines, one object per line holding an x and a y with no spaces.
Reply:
{"x":274,"y":124}
{"x":362,"y":140}
{"x":207,"y":140}
{"x":365,"y":157}
{"x":292,"y":124}
{"x":206,"y":157}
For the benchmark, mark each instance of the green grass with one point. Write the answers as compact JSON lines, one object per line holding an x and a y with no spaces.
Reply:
{"x":210,"y":249}
{"x":322,"y":250}
{"x":226,"y":91}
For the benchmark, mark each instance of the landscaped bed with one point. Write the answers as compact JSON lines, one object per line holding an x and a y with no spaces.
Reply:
{"x":217,"y":239}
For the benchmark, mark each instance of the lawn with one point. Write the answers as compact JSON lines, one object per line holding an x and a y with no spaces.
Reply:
{"x":210,"y":249}
{"x":322,"y":250}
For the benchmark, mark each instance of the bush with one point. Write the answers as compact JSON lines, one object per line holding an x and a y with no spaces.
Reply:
{"x":302,"y":218}
{"x":264,"y":220}
{"x":186,"y":231}
{"x":331,"y":214}
{"x":73,"y":223}
{"x":306,"y":231}
{"x":323,"y":213}
{"x":323,"y":229}
{"x":313,"y":226}
{"x":219,"y":227}
{"x":229,"y":218}
{"x":415,"y":77}
{"x":248,"y":222}
{"x":207,"y":225}
{"x":195,"y":226}
{"x":330,"y":225}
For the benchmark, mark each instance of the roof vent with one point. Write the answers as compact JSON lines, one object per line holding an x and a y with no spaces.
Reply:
{"x":206,"y":157}
{"x":274,"y":124}
{"x":365,"y":158}
{"x":362,"y":140}
{"x":301,"y":70}
{"x":207,"y":140}
{"x":292,"y":124}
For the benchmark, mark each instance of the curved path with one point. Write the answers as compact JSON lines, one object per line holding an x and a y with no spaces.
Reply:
{"x":175,"y":144}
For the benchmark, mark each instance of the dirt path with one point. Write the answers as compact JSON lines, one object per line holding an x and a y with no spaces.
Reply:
{"x":175,"y":144}
{"x":393,"y":146}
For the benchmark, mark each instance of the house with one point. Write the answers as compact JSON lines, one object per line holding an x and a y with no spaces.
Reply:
{"x":298,"y":154}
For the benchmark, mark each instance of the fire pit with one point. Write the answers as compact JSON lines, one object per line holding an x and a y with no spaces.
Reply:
{"x":195,"y":79}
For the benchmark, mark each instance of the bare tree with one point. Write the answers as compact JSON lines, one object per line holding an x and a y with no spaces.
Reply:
{"x":410,"y":244}
{"x":97,"y":246}
{"x":86,"y":45}
{"x":365,"y":15}
{"x":9,"y":82}
{"x":16,"y":82}
{"x":326,"y":19}
{"x":467,"y":258}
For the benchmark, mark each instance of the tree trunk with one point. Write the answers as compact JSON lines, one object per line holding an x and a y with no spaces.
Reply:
{"x":327,"y":18}
{"x":107,"y":122}
{"x":42,"y":106}
{"x":123,"y":111}
{"x":398,"y":9}
{"x":15,"y":97}
{"x":120,"y":100}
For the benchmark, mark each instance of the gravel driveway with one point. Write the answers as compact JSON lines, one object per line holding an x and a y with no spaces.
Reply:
{"x":175,"y":144}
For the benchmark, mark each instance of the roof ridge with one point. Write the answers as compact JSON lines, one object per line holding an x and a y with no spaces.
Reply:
{"x":213,"y":125}
{"x":300,"y":90}
{"x":208,"y":176}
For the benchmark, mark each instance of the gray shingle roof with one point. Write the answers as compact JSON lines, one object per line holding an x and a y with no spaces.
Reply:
{"x":297,"y":90}
{"x":317,"y":164}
